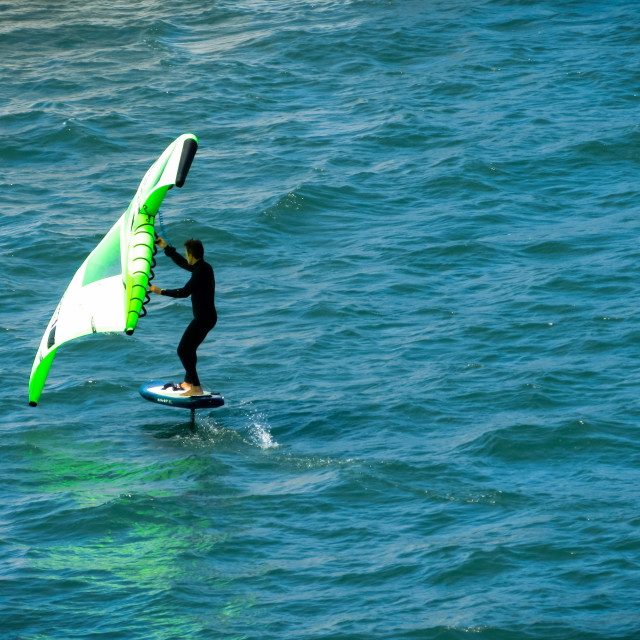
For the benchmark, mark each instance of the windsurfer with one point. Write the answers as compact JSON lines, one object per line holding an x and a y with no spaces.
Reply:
{"x":201,"y":287}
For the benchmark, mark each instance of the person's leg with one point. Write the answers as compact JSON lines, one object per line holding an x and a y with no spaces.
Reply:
{"x":193,"y":336}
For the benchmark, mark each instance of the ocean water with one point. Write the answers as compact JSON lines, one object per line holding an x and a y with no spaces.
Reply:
{"x":423,"y":218}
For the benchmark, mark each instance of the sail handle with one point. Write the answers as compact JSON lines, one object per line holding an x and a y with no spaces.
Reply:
{"x":152,"y":275}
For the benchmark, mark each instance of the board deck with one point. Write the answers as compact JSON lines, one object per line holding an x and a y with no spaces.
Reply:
{"x":154,"y":392}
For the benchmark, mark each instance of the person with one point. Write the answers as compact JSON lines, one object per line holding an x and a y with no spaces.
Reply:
{"x":202,"y":288}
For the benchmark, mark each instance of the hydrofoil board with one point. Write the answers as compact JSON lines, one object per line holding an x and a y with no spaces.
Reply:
{"x":166,"y":393}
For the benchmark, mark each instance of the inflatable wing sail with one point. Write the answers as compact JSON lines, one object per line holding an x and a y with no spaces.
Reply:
{"x":108,"y":291}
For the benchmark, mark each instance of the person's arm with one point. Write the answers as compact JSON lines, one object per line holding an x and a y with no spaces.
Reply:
{"x":179,"y":259}
{"x":184,"y":292}
{"x":172,"y":252}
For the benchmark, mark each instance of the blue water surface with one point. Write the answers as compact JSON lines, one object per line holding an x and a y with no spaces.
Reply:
{"x":423,"y":219}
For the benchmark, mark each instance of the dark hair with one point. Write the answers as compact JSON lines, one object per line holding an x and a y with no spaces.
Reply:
{"x":195,"y":248}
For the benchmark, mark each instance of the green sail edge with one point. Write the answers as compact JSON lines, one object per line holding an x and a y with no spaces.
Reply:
{"x":39,"y":377}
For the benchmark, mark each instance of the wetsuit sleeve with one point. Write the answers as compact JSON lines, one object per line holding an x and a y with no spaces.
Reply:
{"x":180,"y":260}
{"x":184,"y":292}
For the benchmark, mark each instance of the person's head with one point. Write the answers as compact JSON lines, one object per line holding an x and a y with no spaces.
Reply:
{"x":194,"y":249}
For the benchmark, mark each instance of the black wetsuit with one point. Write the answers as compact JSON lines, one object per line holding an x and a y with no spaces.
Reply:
{"x":202,"y":288}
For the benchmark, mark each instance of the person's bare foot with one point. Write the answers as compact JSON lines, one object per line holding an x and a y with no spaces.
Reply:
{"x":185,"y":385}
{"x":193,"y":391}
